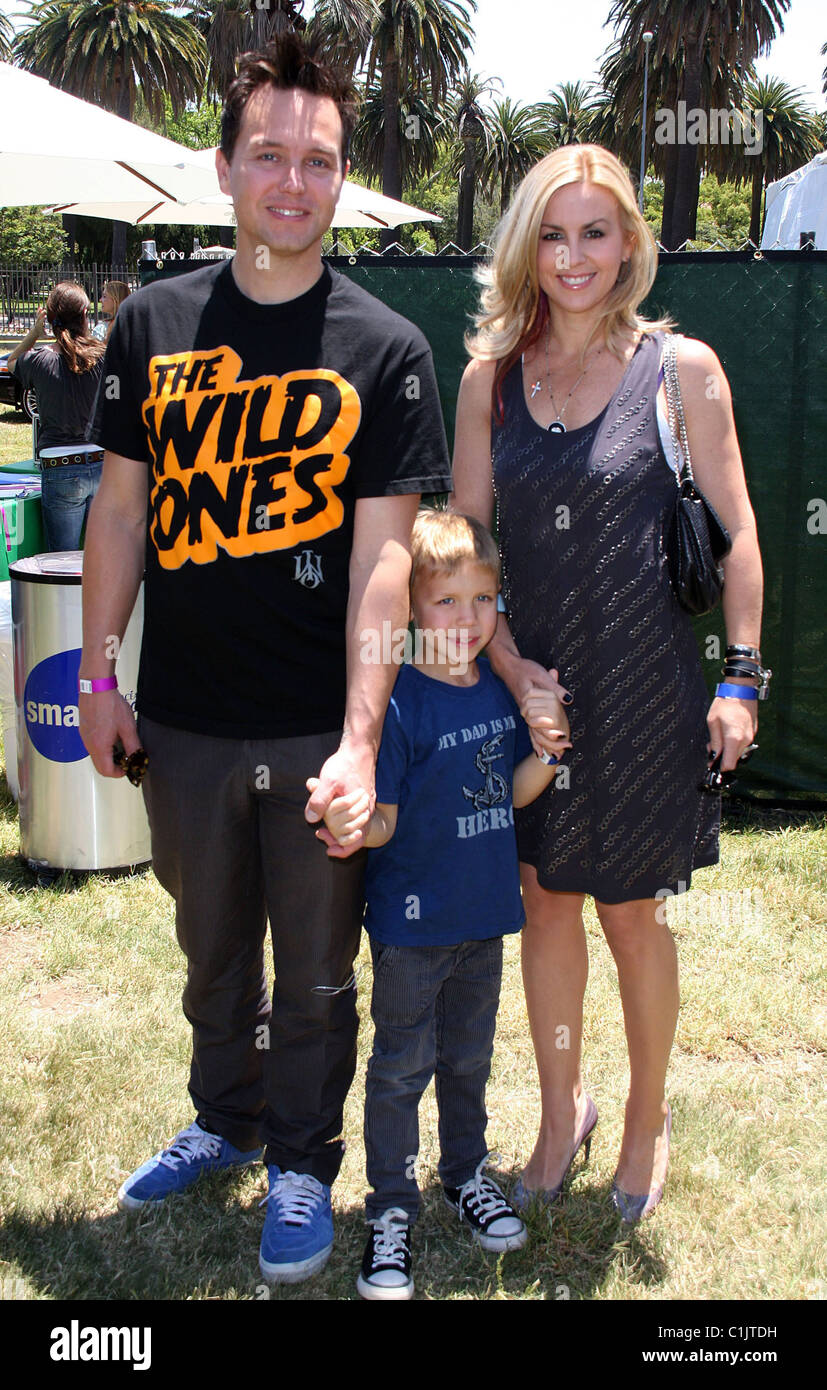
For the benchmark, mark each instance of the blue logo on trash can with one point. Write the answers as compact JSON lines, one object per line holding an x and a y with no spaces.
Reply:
{"x":50,"y":704}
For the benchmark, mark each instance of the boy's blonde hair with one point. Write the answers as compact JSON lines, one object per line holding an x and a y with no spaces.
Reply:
{"x":441,"y":541}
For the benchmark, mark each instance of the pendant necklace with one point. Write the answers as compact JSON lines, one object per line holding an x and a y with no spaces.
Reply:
{"x":557,"y":426}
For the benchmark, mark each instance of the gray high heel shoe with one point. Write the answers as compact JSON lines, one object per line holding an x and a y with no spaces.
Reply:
{"x":634,"y":1208}
{"x":523,"y":1196}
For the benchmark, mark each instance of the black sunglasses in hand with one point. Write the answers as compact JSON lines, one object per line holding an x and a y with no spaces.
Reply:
{"x":133,"y":764}
{"x":716,"y":780}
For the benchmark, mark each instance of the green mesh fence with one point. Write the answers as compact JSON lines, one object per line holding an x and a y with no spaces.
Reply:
{"x":766,"y":317}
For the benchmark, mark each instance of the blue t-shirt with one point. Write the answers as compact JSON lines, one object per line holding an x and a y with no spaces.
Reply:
{"x":450,"y":872}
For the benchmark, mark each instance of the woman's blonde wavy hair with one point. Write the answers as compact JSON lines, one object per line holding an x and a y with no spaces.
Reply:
{"x":513,"y":310}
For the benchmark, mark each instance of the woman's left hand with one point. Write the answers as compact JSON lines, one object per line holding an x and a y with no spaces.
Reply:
{"x":546,"y":720}
{"x":732,"y":728}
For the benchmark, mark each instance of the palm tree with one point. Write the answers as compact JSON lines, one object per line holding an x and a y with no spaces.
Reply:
{"x":410,"y":45}
{"x":419,"y":130}
{"x":469,"y":122}
{"x":230,"y":27}
{"x":616,"y":115}
{"x":569,"y":112}
{"x":789,"y":138}
{"x":6,"y":37}
{"x":518,"y":137}
{"x":731,"y":34}
{"x":104,"y":51}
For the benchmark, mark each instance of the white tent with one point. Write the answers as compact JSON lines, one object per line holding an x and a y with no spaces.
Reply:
{"x":55,"y":148}
{"x":797,"y":204}
{"x":357,"y":206}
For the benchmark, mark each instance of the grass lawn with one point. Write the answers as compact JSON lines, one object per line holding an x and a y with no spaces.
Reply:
{"x":94,"y":1068}
{"x":15,"y":435}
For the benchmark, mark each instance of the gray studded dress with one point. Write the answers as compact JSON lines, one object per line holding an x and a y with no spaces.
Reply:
{"x":580,"y":519}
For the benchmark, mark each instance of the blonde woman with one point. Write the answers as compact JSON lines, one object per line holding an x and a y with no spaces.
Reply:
{"x":561,"y":421}
{"x":65,"y":377}
{"x":114,"y":294}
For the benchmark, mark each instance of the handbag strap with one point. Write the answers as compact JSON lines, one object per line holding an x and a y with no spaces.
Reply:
{"x":674,"y":404}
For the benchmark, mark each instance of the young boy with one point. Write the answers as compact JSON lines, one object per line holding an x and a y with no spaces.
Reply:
{"x":442,"y":889}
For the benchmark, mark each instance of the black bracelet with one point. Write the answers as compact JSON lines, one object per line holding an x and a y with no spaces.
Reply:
{"x":736,"y":668}
{"x":751,"y":653}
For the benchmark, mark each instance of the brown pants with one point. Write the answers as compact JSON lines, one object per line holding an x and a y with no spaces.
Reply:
{"x":230,"y":843}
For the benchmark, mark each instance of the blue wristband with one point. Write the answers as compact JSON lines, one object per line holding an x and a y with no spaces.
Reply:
{"x":736,"y":692}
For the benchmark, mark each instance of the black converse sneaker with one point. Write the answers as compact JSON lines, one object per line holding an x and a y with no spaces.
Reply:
{"x":493,"y":1221}
{"x":386,"y":1267}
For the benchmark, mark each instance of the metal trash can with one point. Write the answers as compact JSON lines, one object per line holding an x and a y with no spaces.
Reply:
{"x":70,"y":816}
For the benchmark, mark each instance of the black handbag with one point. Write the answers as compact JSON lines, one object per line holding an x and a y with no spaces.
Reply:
{"x":696,"y":539}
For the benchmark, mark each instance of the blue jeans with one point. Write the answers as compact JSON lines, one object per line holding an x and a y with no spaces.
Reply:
{"x":65,"y":501}
{"x":434,"y":1010}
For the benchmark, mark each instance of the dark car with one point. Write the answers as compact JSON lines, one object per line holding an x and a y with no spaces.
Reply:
{"x":13,"y":392}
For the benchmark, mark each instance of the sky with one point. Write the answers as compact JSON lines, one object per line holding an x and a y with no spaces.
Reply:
{"x":533,"y":45}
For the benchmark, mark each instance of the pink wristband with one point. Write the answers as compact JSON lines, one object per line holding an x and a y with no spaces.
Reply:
{"x":94,"y":687}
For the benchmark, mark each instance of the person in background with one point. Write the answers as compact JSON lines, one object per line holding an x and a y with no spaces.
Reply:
{"x":65,"y":376}
{"x":114,"y":294}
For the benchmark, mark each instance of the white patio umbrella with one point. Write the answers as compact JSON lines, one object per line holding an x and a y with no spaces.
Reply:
{"x":357,"y":206}
{"x":55,"y":148}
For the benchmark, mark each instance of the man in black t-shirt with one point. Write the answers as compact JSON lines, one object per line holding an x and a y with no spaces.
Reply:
{"x":269,"y":428}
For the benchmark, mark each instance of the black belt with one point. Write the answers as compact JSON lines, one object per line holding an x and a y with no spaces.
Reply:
{"x":65,"y":459}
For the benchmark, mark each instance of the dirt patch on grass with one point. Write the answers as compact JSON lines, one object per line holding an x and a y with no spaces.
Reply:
{"x":21,"y":951}
{"x":64,"y":999}
{"x":19,"y":945}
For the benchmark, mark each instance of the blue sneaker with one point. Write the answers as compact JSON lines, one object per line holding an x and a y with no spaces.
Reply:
{"x":298,"y":1228}
{"x":192,"y":1152}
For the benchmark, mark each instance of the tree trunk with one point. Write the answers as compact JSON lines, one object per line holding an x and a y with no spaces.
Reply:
{"x":465,"y":208}
{"x":669,"y":182}
{"x":680,"y":230}
{"x":118,"y":244}
{"x":505,"y":194}
{"x":392,"y":145}
{"x":755,"y":204}
{"x":693,"y":225}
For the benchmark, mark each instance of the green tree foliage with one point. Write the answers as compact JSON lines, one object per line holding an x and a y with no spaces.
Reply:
{"x":29,"y":234}
{"x":790,"y":137}
{"x":107,"y":51}
{"x":723,"y":35}
{"x":230,"y":27}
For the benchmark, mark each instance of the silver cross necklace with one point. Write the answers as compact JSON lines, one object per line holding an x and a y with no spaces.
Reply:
{"x":557,"y":426}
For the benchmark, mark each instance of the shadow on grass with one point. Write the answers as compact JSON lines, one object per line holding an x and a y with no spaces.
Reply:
{"x":204,"y":1244}
{"x":739,"y":817}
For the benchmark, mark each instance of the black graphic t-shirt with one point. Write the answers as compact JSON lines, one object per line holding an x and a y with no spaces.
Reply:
{"x":261,"y":425}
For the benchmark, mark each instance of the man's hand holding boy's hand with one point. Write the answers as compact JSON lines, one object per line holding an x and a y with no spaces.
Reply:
{"x":345,"y":818}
